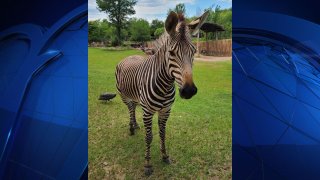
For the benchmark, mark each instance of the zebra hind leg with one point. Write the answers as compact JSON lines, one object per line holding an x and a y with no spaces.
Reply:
{"x":134,"y":120}
{"x":162,"y":120}
{"x":147,"y":119}
{"x":132,"y":111}
{"x":133,"y":123}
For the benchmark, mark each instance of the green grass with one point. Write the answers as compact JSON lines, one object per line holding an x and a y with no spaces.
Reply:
{"x":198,"y":130}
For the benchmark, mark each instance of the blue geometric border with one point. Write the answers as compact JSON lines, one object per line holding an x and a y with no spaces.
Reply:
{"x":43,"y":105}
{"x":276,"y":95}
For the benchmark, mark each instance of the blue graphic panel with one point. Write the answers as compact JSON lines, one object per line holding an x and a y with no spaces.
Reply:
{"x":276,"y":93}
{"x":43,"y":93}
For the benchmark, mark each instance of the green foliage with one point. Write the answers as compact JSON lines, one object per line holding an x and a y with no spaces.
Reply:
{"x":198,"y":130}
{"x":139,"y":30}
{"x":118,"y":12}
{"x":180,"y":8}
{"x":222,"y":17}
{"x":100,"y":31}
{"x":94,"y":34}
{"x":114,"y":32}
{"x":158,"y":32}
{"x":155,"y":24}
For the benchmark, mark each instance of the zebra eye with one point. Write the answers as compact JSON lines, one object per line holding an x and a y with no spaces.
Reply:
{"x":171,"y":53}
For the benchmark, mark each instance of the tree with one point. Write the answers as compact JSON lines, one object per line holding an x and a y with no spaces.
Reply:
{"x":158,"y":32}
{"x":118,"y":12}
{"x":139,"y":30}
{"x":216,"y":14}
{"x":180,"y":8}
{"x":222,"y":17}
{"x":93,"y":29}
{"x":101,"y":31}
{"x":219,"y":16}
{"x":155,"y":24}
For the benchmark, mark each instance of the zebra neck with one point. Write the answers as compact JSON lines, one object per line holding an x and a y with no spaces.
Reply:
{"x":161,"y":67}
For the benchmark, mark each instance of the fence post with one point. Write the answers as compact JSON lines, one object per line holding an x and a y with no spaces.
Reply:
{"x":198,"y":49}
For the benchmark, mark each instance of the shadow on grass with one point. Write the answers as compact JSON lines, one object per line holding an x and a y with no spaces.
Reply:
{"x":116,"y":49}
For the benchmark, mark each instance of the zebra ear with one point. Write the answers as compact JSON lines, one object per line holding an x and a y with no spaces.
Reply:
{"x":171,"y":22}
{"x":195,"y":25}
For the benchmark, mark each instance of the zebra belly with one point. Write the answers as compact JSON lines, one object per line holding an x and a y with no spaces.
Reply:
{"x":128,"y":77}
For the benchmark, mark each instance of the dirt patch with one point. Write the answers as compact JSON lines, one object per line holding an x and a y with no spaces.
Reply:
{"x":212,"y":58}
{"x":113,"y":171}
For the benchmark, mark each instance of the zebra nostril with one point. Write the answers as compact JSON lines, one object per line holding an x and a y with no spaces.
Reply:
{"x":188,"y":91}
{"x":195,"y":90}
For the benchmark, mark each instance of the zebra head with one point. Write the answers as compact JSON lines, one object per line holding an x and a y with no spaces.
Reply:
{"x":180,"y":53}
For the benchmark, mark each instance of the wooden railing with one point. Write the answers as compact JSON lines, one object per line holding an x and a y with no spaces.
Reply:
{"x":210,"y":48}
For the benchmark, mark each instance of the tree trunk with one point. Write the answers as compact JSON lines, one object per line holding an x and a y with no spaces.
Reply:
{"x":118,"y":35}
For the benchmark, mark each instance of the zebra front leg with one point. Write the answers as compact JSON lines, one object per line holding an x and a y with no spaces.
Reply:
{"x":147,"y":120}
{"x":162,"y":120}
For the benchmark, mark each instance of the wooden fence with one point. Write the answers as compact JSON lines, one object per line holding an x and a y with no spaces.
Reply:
{"x":211,"y":48}
{"x":216,"y":47}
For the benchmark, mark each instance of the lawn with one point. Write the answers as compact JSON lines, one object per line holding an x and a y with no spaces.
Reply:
{"x":198,"y":130}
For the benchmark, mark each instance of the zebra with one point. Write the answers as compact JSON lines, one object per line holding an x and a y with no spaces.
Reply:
{"x":150,"y":81}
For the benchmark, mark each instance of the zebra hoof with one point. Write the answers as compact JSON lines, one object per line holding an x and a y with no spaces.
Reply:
{"x":148,"y":170}
{"x":131,"y":132}
{"x":166,"y":160}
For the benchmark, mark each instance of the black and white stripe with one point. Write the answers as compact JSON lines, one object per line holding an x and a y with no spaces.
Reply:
{"x":149,"y":81}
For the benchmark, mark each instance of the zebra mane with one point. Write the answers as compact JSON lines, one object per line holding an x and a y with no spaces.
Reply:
{"x":158,"y":43}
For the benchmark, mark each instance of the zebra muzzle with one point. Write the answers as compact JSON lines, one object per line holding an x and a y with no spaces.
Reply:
{"x":187,"y":91}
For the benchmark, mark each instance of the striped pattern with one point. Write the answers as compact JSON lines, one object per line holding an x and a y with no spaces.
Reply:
{"x":149,"y":81}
